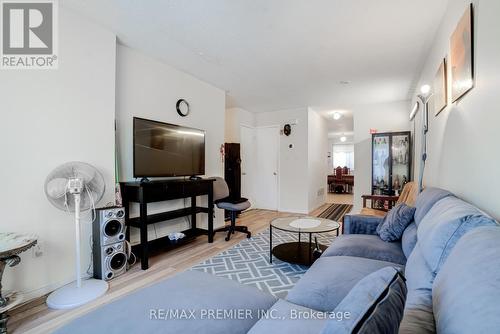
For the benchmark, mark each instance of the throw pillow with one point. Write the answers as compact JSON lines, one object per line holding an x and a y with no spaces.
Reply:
{"x":393,"y":225}
{"x":374,"y":305}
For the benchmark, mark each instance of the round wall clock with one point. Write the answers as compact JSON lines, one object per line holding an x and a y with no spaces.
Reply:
{"x":182,"y":107}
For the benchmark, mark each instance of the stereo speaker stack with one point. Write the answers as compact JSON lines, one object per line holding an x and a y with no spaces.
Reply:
{"x":108,"y":247}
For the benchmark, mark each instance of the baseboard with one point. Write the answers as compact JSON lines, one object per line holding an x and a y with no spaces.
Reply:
{"x":28,"y":296}
{"x":289,"y":210}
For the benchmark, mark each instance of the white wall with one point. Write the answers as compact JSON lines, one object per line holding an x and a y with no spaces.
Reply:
{"x":302,"y":168}
{"x":317,"y":159}
{"x":463,"y":139}
{"x":385,"y":117}
{"x":150,"y":89}
{"x":50,"y":117}
{"x":235,"y":118}
{"x":293,"y":174}
{"x":331,"y":142}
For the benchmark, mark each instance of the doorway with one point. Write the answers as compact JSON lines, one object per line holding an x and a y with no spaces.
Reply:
{"x":260,"y":166}
{"x":267,"y":146}
{"x":342,"y":156}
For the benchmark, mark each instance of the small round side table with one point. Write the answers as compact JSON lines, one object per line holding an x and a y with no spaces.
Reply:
{"x":11,"y":245}
{"x":299,"y":252}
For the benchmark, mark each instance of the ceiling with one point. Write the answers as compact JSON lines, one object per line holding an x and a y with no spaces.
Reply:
{"x":279,"y":54}
{"x":342,"y":127}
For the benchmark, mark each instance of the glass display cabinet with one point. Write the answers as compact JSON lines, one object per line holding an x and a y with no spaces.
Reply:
{"x":391,"y":162}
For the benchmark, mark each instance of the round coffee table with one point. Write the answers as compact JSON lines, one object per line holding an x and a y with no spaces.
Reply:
{"x":299,"y":252}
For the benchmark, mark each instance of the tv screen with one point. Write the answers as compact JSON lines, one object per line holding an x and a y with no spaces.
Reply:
{"x":162,"y":149}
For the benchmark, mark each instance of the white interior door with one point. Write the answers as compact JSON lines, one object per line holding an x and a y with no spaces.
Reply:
{"x":267,"y":148}
{"x":248,"y":163}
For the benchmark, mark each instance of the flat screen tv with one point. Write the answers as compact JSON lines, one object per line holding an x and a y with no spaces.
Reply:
{"x":163,"y":150}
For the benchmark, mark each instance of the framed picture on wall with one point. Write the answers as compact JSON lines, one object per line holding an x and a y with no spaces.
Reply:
{"x":440,"y":97}
{"x":462,"y":56}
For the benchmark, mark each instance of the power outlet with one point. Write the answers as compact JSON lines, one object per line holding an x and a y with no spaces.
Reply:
{"x":38,"y":250}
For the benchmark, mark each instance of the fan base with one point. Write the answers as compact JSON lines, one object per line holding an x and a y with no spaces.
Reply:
{"x":69,"y":296}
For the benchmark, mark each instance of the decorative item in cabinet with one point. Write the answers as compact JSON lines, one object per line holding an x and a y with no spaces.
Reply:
{"x":391,"y":163}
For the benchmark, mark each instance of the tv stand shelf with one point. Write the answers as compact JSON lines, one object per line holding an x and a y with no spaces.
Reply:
{"x":159,"y":217}
{"x":164,"y":244}
{"x":164,"y":190}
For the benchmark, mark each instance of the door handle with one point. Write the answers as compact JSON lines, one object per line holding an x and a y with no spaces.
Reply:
{"x":275,"y":173}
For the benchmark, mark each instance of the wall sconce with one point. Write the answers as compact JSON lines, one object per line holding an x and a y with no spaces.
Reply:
{"x":423,"y":99}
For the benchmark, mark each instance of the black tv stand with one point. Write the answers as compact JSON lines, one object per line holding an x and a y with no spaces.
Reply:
{"x":164,"y":190}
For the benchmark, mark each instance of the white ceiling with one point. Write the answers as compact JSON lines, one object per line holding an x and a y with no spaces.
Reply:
{"x":338,"y":128}
{"x":278,"y":54}
{"x":342,"y":125}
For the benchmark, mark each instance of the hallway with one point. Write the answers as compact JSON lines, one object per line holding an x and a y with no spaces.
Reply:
{"x":339,"y":198}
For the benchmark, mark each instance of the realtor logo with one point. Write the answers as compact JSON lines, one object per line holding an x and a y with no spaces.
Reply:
{"x":29,"y":38}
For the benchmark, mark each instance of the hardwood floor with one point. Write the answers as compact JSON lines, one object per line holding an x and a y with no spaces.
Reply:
{"x":340,"y":198}
{"x":35,"y":317}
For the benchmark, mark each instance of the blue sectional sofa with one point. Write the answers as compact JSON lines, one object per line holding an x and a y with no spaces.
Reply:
{"x":450,"y":256}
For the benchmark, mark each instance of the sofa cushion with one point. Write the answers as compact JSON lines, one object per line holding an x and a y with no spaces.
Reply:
{"x":466,"y":291}
{"x":147,"y":310}
{"x":330,"y":279}
{"x":367,"y":246}
{"x":426,"y":199}
{"x":445,"y":223}
{"x":418,"y":316}
{"x":374,"y":305}
{"x":409,"y":239}
{"x":396,"y":221}
{"x":285,"y":317}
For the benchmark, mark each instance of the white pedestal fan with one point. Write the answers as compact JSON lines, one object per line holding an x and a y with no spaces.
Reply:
{"x":75,"y":187}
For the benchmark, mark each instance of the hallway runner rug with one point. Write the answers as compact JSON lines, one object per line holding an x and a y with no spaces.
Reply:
{"x":336,"y":212}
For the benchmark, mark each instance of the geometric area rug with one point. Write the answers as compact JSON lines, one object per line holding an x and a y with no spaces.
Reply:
{"x":248,"y":263}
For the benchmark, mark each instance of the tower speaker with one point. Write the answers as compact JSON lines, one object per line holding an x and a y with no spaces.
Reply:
{"x":108,"y":246}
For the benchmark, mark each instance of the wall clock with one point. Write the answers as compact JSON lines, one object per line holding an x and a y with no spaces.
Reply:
{"x":182,"y":107}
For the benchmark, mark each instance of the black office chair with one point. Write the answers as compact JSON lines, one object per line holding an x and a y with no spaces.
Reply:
{"x":234,"y":206}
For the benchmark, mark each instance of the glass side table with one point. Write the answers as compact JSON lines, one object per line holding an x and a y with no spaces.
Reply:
{"x":299,"y":252}
{"x":11,"y":245}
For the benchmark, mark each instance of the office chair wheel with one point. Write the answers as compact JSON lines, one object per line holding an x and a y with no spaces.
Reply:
{"x":249,"y":235}
{"x":226,"y":238}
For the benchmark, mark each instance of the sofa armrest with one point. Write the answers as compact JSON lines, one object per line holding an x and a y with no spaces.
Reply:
{"x":361,"y":224}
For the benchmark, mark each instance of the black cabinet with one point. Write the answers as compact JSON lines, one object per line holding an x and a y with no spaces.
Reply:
{"x":391,"y":162}
{"x":232,"y":169}
{"x":232,"y":172}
